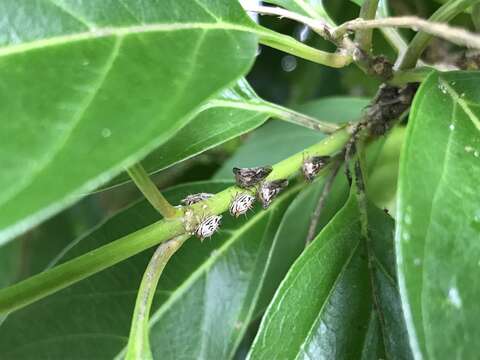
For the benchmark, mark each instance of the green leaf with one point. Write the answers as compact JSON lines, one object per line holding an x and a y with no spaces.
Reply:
{"x":207,"y":288}
{"x":232,"y":113}
{"x":312,"y":8}
{"x":383,"y":177}
{"x":273,"y":142}
{"x":325,"y":302}
{"x":336,"y":109}
{"x":88,"y":90}
{"x":235,"y":111}
{"x":439,"y":217}
{"x":35,"y":250}
{"x":291,"y":235}
{"x":10,"y":255}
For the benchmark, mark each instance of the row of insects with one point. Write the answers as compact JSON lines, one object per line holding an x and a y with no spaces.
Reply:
{"x":248,"y":178}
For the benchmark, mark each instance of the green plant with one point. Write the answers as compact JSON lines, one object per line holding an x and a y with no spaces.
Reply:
{"x":380,"y":263}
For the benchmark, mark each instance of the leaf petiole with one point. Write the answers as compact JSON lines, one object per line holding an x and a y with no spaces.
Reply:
{"x":141,"y":178}
{"x":138,"y":341}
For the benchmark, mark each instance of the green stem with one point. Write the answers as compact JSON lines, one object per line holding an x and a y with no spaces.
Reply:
{"x":363,"y":37}
{"x":420,"y":41}
{"x":151,"y":192}
{"x":138,"y":346}
{"x":70,"y":272}
{"x":409,"y":76}
{"x":291,"y":46}
{"x":391,"y":35}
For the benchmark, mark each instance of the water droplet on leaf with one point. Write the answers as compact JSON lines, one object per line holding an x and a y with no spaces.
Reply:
{"x":454,"y":297}
{"x":106,"y":132}
{"x":289,"y":63}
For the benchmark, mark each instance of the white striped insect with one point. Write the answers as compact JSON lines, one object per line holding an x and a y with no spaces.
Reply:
{"x":195,"y":198}
{"x":269,"y":190}
{"x":241,"y":203}
{"x":312,"y":166}
{"x":208,"y":226}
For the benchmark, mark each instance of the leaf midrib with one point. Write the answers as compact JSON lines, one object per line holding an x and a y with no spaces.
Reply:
{"x":122,"y":32}
{"x":457,"y":99}
{"x":325,"y":302}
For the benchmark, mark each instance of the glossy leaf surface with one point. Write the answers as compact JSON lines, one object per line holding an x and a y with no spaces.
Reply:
{"x":113,"y":81}
{"x":438,"y":213}
{"x":291,"y":235}
{"x":233,"y":112}
{"x":324,"y":307}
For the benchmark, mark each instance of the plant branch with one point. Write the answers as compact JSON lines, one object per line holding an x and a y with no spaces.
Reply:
{"x":420,"y":41}
{"x":150,"y":191}
{"x":348,"y":50}
{"x":455,"y":35}
{"x":402,"y":77}
{"x":319,"y":26}
{"x":363,"y":37}
{"x":291,"y":46}
{"x":138,"y":346}
{"x":70,"y":272}
{"x":327,"y":187}
{"x":45,"y":283}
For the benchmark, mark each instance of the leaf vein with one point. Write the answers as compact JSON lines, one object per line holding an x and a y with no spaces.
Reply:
{"x":330,"y":293}
{"x":75,"y":122}
{"x":68,"y":12}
